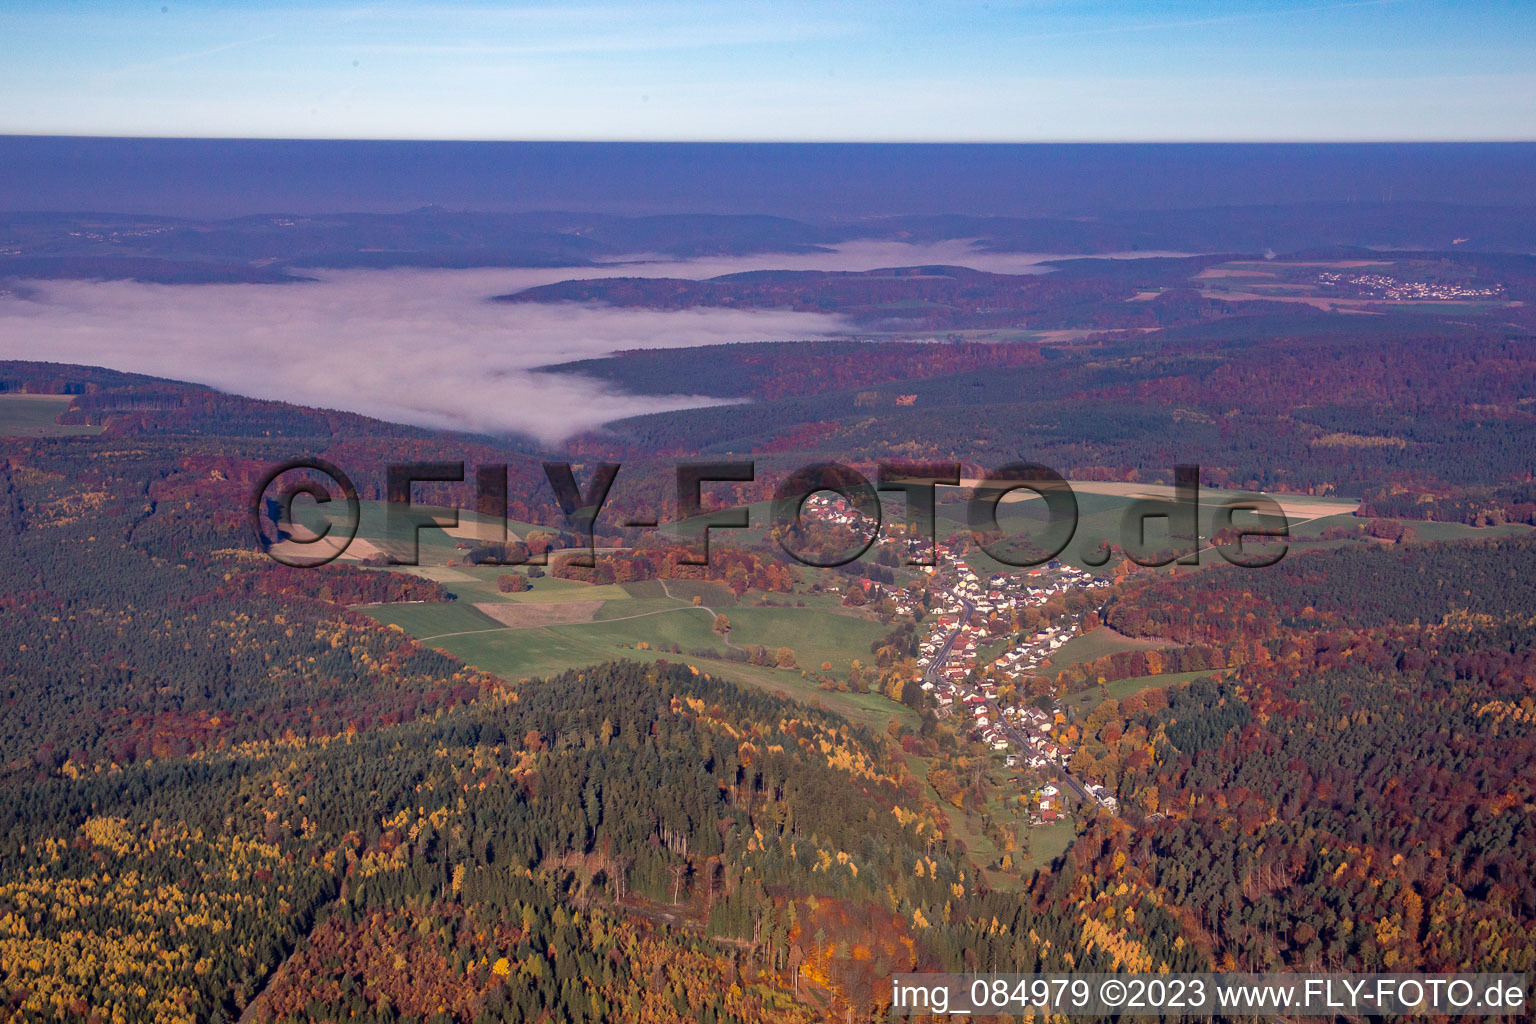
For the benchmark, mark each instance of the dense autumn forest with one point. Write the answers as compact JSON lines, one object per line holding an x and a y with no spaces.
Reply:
{"x":1423,"y":426}
{"x":1356,"y":793}
{"x":234,"y":772}
{"x":239,"y":797}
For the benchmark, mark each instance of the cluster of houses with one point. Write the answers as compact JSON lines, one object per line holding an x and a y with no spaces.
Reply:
{"x":874,"y":590}
{"x":1019,"y":661}
{"x":1036,"y":725}
{"x":972,"y":612}
{"x":1005,"y":591}
{"x":1024,"y":732}
{"x":1382,"y":286}
{"x":1000,"y":595}
{"x":826,"y":508}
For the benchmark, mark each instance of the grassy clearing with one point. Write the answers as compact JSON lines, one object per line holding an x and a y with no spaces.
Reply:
{"x":436,"y":546}
{"x":824,"y":601}
{"x":515,"y":654}
{"x":428,"y":620}
{"x":1006,"y":812}
{"x":636,"y":613}
{"x":967,"y":829}
{"x":962,"y":826}
{"x":659,"y":622}
{"x":523,"y":653}
{"x":1097,"y":643}
{"x":527,"y":615}
{"x":479,"y":583}
{"x":1086,"y":700}
{"x":638,"y":606}
{"x":867,"y":709}
{"x":717,"y":595}
{"x":1307,"y":536}
{"x":1101,"y":519}
{"x":1047,"y":842}
{"x":759,"y":524}
{"x":631,"y":613}
{"x":35,"y":416}
{"x":815,"y":636}
{"x":546,"y":590}
{"x":1427,"y":531}
{"x":687,"y":628}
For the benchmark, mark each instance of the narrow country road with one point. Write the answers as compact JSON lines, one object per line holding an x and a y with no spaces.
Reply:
{"x":726,"y":636}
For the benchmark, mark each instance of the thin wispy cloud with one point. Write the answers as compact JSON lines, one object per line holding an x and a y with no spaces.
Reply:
{"x":212,"y":50}
{"x":1134,"y":27}
{"x":433,"y":31}
{"x":700,"y":37}
{"x":109,"y":76}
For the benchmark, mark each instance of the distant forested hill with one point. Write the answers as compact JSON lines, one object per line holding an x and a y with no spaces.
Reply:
{"x":1424,"y":422}
{"x":277,"y":246}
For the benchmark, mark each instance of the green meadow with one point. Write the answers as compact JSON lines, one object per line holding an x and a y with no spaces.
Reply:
{"x":1096,"y":643}
{"x":1101,"y":520}
{"x":1047,"y":842}
{"x":36,"y":416}
{"x":1085,"y":701}
{"x":660,"y":616}
{"x":423,"y":620}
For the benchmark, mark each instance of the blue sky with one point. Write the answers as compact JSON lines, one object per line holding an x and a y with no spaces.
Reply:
{"x":1028,"y":70}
